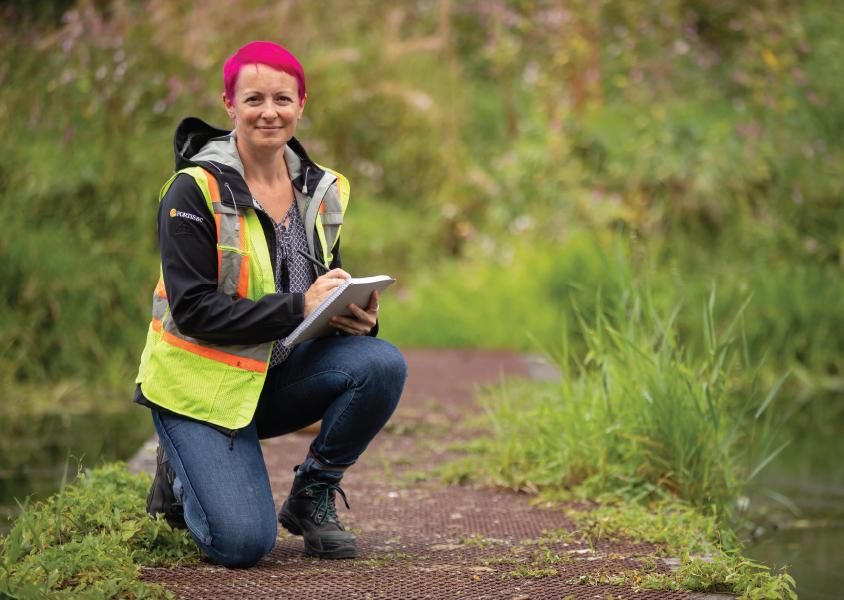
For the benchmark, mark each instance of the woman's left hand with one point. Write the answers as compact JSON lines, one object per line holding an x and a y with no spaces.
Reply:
{"x":363,"y":320}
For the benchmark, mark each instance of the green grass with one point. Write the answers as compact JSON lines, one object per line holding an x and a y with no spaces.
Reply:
{"x":725,"y":573}
{"x":532,"y":573}
{"x":703,"y":561}
{"x":636,"y":416}
{"x":89,"y":540}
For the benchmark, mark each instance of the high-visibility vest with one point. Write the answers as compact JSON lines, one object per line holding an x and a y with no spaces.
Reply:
{"x":221,"y":384}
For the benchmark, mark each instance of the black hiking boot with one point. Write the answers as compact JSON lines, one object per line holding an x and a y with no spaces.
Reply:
{"x":309,"y":511}
{"x":161,"y":499}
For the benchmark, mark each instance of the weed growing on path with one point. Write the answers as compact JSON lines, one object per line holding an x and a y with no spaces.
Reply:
{"x":723,"y":573}
{"x":384,"y":560}
{"x":710,"y":558}
{"x":90,"y":538}
{"x":475,"y":539}
{"x":531,"y":572}
{"x":499,"y":560}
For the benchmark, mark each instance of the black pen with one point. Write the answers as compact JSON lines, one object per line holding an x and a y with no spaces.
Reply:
{"x":313,"y":260}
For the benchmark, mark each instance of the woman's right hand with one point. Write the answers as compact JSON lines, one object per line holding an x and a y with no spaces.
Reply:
{"x":322,"y":287}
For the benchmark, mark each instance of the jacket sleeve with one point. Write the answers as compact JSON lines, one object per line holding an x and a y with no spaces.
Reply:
{"x":188,"y":243}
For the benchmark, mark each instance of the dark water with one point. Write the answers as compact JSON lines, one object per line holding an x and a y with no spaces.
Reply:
{"x":812,"y":552}
{"x":801,"y":498}
{"x":33,"y":461}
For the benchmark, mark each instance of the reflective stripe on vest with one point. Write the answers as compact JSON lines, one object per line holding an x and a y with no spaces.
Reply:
{"x":252,"y":357}
{"x":332,"y":207}
{"x":215,"y":383}
{"x":233,"y":280}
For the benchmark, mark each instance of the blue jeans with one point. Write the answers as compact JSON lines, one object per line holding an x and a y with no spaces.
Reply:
{"x":352,"y":383}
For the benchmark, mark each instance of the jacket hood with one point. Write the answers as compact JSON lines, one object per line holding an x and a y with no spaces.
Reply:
{"x":198,"y":143}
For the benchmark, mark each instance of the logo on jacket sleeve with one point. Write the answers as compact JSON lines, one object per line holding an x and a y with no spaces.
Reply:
{"x":184,"y":215}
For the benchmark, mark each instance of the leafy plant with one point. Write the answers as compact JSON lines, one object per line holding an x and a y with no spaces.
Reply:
{"x":90,"y":538}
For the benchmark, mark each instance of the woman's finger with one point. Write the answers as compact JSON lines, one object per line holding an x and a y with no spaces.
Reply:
{"x":343,"y":328}
{"x":359,"y":312}
{"x":353,"y":326}
{"x":335,"y":274}
{"x":325,"y":287}
{"x":373,"y":302}
{"x":348,"y":330}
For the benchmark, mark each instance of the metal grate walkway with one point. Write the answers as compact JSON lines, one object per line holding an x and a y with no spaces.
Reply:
{"x":418,"y":538}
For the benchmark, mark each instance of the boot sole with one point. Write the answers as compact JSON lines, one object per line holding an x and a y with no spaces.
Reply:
{"x":290,"y":523}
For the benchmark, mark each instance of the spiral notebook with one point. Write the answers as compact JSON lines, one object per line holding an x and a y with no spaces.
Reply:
{"x":352,"y":291}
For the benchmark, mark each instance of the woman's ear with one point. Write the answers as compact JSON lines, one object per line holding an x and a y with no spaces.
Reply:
{"x":229,"y":106}
{"x":302,"y":104}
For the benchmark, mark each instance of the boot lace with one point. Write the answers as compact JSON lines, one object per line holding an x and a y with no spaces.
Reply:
{"x":325,"y":509}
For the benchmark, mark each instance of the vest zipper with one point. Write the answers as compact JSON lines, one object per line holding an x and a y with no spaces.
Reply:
{"x":231,"y":439}
{"x":305,"y":186}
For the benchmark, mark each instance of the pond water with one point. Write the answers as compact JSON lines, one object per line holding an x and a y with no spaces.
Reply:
{"x":33,"y":456}
{"x":801,"y":497}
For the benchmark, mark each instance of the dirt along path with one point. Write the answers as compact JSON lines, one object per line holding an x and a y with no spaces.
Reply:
{"x":417,"y":537}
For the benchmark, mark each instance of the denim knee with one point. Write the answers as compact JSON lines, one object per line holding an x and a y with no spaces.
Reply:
{"x":388,"y":365}
{"x":385,"y":375}
{"x":241,"y":547}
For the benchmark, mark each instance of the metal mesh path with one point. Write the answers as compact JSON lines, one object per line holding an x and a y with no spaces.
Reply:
{"x":418,"y":538}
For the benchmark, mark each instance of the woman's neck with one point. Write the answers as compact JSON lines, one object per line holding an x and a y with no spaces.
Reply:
{"x":263,"y":166}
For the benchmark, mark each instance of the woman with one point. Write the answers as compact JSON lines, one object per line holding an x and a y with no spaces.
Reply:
{"x":240,"y":225}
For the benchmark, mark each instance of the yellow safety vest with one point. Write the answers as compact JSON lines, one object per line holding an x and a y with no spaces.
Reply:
{"x":221,"y":384}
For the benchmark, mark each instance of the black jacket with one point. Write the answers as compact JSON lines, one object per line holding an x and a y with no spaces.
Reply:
{"x":189,"y":253}
{"x":188,"y":247}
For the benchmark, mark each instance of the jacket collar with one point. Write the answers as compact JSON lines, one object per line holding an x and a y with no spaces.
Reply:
{"x":197,"y":143}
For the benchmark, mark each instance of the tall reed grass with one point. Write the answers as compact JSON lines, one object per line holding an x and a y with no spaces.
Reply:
{"x":635,"y":416}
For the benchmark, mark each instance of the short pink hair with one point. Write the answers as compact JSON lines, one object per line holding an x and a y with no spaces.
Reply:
{"x":262,"y":53}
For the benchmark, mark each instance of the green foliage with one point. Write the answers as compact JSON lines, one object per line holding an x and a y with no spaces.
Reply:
{"x":507,"y":296}
{"x":733,"y":574}
{"x":636,"y":416}
{"x":677,"y":527}
{"x":708,"y":557}
{"x":90,"y":539}
{"x":684,"y":124}
{"x":517,"y":295}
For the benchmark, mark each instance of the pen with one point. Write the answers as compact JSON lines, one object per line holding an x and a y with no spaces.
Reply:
{"x":313,"y":260}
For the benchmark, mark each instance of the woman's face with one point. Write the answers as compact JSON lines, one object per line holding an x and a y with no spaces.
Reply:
{"x":265,"y":108}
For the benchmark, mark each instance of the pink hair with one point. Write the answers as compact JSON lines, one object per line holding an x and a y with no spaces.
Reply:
{"x":262,"y":53}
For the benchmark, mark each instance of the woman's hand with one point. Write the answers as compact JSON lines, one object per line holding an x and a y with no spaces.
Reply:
{"x":322,"y":287}
{"x":363,"y":320}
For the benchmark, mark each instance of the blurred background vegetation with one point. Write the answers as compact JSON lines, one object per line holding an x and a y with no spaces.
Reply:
{"x":509,"y":160}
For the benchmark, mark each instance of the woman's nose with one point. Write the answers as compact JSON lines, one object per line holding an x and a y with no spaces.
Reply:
{"x":267,"y":111}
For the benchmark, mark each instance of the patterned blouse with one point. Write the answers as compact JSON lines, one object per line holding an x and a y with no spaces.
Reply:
{"x":300,"y":272}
